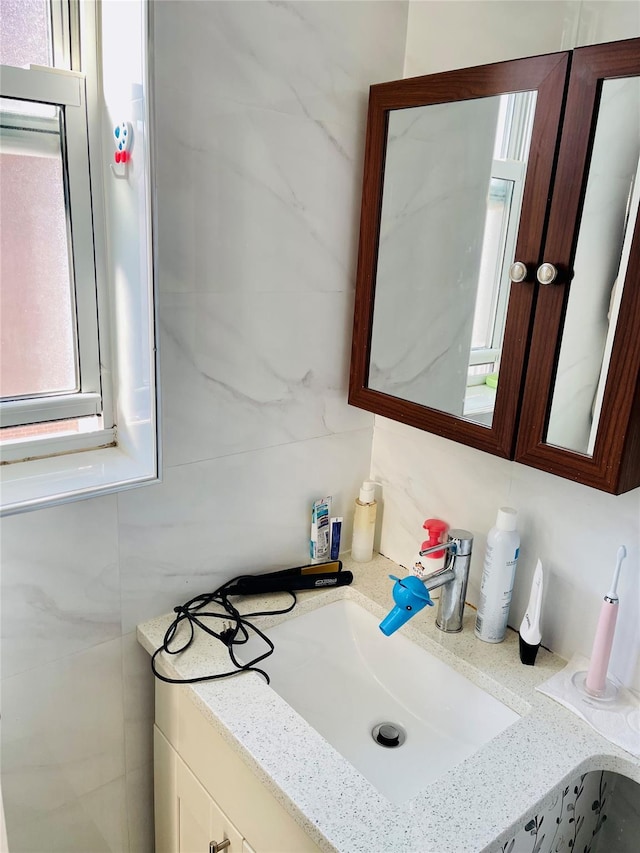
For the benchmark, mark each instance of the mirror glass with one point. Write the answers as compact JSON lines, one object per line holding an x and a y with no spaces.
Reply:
{"x":606,"y":228}
{"x":452,"y":192}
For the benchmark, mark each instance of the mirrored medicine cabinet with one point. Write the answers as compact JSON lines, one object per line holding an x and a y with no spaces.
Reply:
{"x":498,"y":285}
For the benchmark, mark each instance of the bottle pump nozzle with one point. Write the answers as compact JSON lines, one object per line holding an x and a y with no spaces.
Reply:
{"x":437,"y":533}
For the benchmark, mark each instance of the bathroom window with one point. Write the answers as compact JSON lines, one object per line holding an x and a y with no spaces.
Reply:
{"x":50,"y":381}
{"x":74,"y":422}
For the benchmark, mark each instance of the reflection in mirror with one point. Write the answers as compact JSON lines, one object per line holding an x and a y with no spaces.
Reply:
{"x":453,"y":183}
{"x":606,"y":228}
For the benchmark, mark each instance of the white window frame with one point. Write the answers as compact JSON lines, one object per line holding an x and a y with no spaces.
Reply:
{"x":509,"y":164}
{"x":123,"y":282}
{"x":513,"y":171}
{"x":65,"y":34}
{"x":66,"y":90}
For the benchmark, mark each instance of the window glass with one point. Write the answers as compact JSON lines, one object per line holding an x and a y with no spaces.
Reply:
{"x":51,"y":428}
{"x":37,"y":314}
{"x":26,"y":108}
{"x":25,"y":33}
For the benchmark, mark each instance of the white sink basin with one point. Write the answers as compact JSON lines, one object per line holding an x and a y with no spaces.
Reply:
{"x":338,"y":671}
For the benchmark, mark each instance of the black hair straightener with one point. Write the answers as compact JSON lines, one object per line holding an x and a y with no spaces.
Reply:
{"x":317,"y":576}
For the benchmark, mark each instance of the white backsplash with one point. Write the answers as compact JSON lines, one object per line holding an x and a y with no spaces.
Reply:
{"x":574,"y":530}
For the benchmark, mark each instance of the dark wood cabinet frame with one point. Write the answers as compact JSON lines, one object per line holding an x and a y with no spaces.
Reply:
{"x":615,"y":464}
{"x":557,"y":169}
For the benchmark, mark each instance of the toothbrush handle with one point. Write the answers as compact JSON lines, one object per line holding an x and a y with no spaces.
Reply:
{"x":601,"y":652}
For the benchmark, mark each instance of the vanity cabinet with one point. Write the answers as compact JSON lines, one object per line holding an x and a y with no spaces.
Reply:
{"x":204,"y":792}
{"x":498,"y":284}
{"x":196,"y":820}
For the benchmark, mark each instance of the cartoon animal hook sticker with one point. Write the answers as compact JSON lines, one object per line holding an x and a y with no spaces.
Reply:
{"x":123,"y":138}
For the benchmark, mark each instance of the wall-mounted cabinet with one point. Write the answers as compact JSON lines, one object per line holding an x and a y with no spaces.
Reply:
{"x":498,"y":286}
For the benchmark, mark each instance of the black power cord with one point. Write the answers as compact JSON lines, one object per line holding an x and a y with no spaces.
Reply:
{"x":234,"y":632}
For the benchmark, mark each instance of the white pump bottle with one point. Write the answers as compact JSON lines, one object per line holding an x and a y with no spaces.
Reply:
{"x":364,"y":523}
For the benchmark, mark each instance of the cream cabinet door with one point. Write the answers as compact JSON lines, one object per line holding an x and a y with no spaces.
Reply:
{"x":200,"y":821}
{"x":204,"y":792}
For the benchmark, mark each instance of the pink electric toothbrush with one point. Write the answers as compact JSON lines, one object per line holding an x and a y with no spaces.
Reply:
{"x":594,"y":683}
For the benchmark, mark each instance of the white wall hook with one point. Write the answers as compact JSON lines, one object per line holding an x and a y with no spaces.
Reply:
{"x":119,"y":169}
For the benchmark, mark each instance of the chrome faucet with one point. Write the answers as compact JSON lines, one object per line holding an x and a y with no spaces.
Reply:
{"x":411,"y":594}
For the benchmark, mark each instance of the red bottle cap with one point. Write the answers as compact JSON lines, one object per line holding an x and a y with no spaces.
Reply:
{"x":437,"y":530}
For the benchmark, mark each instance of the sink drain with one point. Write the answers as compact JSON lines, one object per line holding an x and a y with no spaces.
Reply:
{"x":389,"y":735}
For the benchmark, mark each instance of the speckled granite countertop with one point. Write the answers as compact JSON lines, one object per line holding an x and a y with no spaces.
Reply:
{"x":469,"y":809}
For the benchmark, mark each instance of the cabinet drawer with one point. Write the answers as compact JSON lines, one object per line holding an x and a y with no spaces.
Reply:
{"x":200,"y":821}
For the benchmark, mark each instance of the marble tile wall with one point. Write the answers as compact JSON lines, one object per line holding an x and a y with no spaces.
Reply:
{"x":260,"y":115}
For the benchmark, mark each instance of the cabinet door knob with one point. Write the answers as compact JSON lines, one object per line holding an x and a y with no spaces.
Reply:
{"x":517,"y":272}
{"x":546,"y":274}
{"x":215,"y":847}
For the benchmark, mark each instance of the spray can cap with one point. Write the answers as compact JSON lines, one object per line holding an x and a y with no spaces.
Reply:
{"x":368,"y":492}
{"x":507,"y":518}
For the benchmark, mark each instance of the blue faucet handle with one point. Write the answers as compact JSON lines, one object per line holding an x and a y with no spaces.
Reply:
{"x":410,"y":596}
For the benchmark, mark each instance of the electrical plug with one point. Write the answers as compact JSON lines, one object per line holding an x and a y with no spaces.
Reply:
{"x":228,"y":633}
